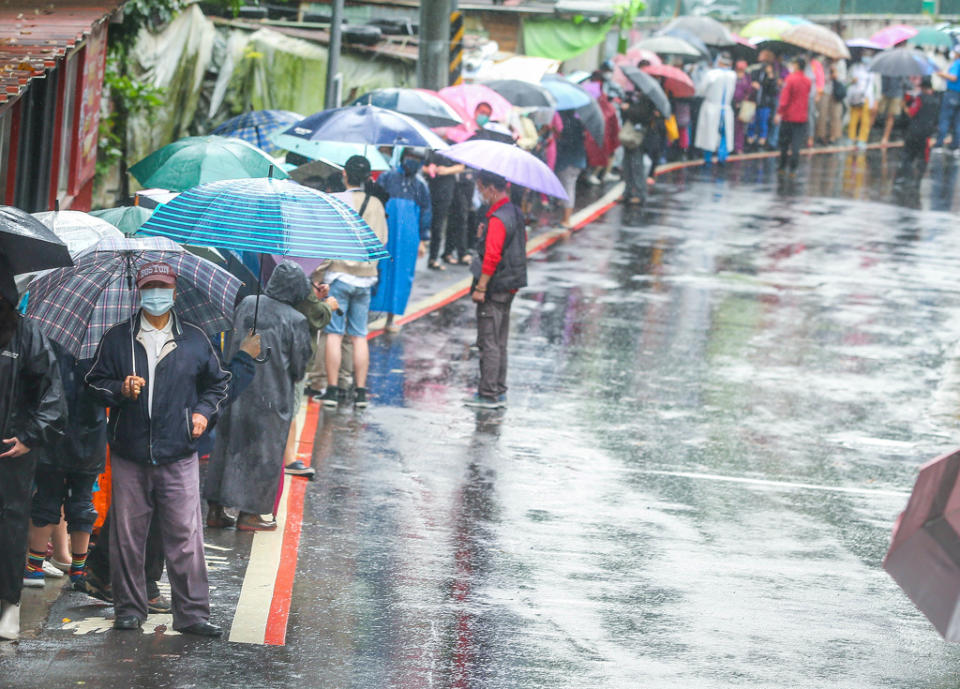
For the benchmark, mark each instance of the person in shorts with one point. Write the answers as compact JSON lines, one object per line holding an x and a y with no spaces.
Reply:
{"x":891,"y":103}
{"x":351,"y":284}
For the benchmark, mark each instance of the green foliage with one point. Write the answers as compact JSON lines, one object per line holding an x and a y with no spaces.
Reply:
{"x":626,"y":13}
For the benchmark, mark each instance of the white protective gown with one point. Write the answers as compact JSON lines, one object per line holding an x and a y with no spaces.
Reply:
{"x":717,"y":91}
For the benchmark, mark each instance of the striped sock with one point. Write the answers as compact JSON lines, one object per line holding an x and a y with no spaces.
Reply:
{"x":35,"y":560}
{"x":78,"y":566}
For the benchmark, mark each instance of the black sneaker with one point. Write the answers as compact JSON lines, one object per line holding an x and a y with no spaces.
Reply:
{"x":331,"y":397}
{"x":95,"y":587}
{"x":312,"y":392}
{"x":298,"y":468}
{"x":360,"y":398}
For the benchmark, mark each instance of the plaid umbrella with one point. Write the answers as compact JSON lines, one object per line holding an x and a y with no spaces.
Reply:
{"x":75,"y":306}
{"x":816,"y":39}
{"x":257,"y":126}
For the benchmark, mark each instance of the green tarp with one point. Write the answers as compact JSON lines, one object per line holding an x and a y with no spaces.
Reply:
{"x":562,"y":39}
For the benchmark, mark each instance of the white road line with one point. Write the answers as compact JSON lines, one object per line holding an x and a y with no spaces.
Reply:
{"x":779,"y":484}
{"x":253,"y":606}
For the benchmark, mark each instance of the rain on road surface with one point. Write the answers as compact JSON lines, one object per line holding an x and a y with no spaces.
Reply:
{"x":718,"y":405}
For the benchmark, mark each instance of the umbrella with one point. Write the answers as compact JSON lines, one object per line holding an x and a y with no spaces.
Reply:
{"x":890,"y":36}
{"x":924,"y":554}
{"x":590,"y":113}
{"x":127,"y":219}
{"x":864,"y":43}
{"x":77,"y":230}
{"x":75,"y":306}
{"x":766,"y":27}
{"x":510,"y":162}
{"x":28,"y":244}
{"x":315,"y":174}
{"x":902,"y":62}
{"x":523,"y":94}
{"x":668,"y":45}
{"x":257,"y":126}
{"x":568,"y":96}
{"x":635,"y":55}
{"x":421,"y":104}
{"x":690,"y":38}
{"x":675,"y":81}
{"x":650,"y":88}
{"x":707,"y":29}
{"x":816,"y":39}
{"x":337,"y":153}
{"x":743,"y":49}
{"x":467,"y":97}
{"x":194,"y":160}
{"x":929,"y":36}
{"x":365,"y":124}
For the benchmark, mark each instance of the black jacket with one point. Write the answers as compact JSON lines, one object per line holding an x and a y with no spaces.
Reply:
{"x":83,"y":447}
{"x":31,"y":392}
{"x":189,"y":379}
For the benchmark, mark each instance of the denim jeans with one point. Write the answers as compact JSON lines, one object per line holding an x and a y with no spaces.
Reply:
{"x":949,"y":118}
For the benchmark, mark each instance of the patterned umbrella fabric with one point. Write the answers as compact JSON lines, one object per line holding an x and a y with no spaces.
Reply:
{"x":27,"y":245}
{"x":707,"y":29}
{"x":256,"y":127}
{"x":127,"y":219}
{"x":892,"y":35}
{"x":510,"y":162}
{"x":816,"y":39}
{"x":422,"y":105}
{"x":195,"y":160}
{"x":365,"y":124}
{"x":676,"y":82}
{"x":269,"y":216}
{"x":75,"y":306}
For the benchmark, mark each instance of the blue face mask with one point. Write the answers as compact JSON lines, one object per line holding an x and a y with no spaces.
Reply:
{"x":411,"y":166}
{"x":156,"y":301}
{"x":483,"y":119}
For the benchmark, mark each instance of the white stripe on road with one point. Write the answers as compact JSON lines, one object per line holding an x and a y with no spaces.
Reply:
{"x":256,"y":595}
{"x":779,"y":484}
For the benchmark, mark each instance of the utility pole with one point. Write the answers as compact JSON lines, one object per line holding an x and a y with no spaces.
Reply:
{"x":434,"y":56}
{"x":333,"y":56}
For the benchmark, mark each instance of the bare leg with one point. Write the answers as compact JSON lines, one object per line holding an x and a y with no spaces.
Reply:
{"x":567,"y":214}
{"x":333,"y":357}
{"x":361,"y":361}
{"x":887,"y":128}
{"x":61,"y":549}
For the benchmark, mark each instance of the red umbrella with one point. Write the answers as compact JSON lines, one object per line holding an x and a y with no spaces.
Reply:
{"x":633,"y":56}
{"x":924,"y":555}
{"x":675,"y":81}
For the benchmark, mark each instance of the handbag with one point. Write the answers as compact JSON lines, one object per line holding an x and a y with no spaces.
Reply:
{"x":631,"y":136}
{"x":748,"y":110}
{"x":673,"y":131}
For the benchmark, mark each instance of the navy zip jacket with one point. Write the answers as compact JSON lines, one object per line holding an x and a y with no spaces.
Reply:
{"x":189,"y":379}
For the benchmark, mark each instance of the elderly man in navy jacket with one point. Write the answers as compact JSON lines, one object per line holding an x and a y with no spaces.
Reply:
{"x":164,"y":384}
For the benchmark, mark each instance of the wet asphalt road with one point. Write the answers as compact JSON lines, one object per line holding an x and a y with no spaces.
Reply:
{"x":718,"y":405}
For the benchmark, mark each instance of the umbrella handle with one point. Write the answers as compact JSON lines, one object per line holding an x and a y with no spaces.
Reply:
{"x":264,"y":355}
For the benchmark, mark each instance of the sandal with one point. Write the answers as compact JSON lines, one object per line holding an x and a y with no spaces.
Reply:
{"x":450,"y":259}
{"x":466,"y":260}
{"x":435,"y":265}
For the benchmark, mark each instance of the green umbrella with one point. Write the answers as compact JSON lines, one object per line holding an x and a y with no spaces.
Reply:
{"x":929,"y":36}
{"x":196,"y":160}
{"x":127,"y":219}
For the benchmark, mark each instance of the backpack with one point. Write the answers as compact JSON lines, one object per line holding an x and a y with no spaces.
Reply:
{"x":839,"y":91}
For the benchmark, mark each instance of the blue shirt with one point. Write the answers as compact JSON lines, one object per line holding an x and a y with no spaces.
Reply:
{"x":955,"y":72}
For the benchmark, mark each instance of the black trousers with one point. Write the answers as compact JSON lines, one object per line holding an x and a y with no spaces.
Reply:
{"x":493,"y":330}
{"x":792,"y":136}
{"x":16,"y":484}
{"x":98,"y":561}
{"x":914,"y":159}
{"x":442,"y":192}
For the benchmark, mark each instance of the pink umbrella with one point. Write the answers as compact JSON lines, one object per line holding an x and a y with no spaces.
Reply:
{"x":675,"y":81}
{"x":890,"y":36}
{"x":924,"y":555}
{"x":632,"y":57}
{"x":467,"y":97}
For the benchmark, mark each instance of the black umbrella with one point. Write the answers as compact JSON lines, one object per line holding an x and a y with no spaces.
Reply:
{"x":590,"y":114}
{"x":523,"y":94}
{"x":902,"y":62}
{"x":649,"y":87}
{"x":691,"y":38}
{"x":707,"y":29}
{"x":424,"y":106}
{"x":28,"y":244}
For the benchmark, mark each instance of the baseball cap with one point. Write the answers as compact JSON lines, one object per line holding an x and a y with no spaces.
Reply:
{"x":157,"y":271}
{"x":357,"y":166}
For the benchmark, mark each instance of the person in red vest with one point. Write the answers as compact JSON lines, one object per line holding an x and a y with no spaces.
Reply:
{"x":792,"y":114}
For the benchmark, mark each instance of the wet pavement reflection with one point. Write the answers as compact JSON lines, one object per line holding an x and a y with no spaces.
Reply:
{"x":717,"y":406}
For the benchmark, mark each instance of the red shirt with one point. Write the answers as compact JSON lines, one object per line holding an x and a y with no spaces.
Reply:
{"x":496,"y":234}
{"x":795,"y":98}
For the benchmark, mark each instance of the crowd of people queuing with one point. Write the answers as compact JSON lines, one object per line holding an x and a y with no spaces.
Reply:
{"x":157,"y":386}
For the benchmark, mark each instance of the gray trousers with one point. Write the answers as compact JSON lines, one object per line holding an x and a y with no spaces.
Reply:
{"x":173,"y":492}
{"x":493,"y":329}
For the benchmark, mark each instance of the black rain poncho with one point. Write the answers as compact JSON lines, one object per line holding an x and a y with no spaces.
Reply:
{"x":31,"y":410}
{"x":247,"y":461}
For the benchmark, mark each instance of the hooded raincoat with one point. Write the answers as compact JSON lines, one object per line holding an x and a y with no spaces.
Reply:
{"x":247,"y":461}
{"x":716,"y":111}
{"x":31,"y":410}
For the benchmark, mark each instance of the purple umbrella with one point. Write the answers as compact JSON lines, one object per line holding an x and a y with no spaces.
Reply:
{"x":510,"y":162}
{"x":864,"y":43}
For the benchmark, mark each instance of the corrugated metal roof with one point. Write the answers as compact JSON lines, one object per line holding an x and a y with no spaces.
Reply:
{"x":33,"y":35}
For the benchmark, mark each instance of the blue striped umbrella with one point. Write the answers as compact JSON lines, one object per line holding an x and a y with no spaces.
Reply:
{"x":256,"y":127}
{"x":266,"y":215}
